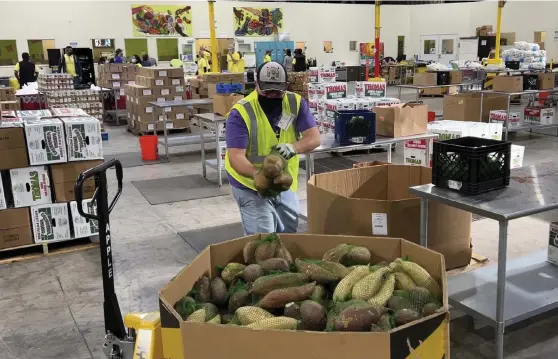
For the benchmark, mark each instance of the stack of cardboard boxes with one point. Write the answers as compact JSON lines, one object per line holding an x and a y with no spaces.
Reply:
{"x":8,"y":101}
{"x":114,"y":76}
{"x":156,"y":84}
{"x":297,"y":83}
{"x":431,"y":79}
{"x":49,"y":82}
{"x":87,"y":100}
{"x":41,"y":159}
{"x":212,"y":84}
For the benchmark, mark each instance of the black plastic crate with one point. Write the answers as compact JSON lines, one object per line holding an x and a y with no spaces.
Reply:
{"x":514,"y":65}
{"x":442,"y":77}
{"x":530,"y":82}
{"x":471,"y":165}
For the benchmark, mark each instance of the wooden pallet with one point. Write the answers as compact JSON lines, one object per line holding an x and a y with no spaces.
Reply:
{"x":39,"y":250}
{"x":137,"y":132}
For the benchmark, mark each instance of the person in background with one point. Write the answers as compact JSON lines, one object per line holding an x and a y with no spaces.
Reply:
{"x":239,"y":62}
{"x":206,"y":54}
{"x":284,"y":124}
{"x":148,"y":61}
{"x":288,"y":60}
{"x":69,"y":64}
{"x":136,"y":60}
{"x":299,"y":61}
{"x":267,"y":57}
{"x":230,"y":62}
{"x":25,"y":70}
{"x":203,"y":66}
{"x":102,"y":60}
{"x":118,"y":57}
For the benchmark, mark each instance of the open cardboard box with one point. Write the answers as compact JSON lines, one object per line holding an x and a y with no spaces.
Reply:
{"x":426,"y":338}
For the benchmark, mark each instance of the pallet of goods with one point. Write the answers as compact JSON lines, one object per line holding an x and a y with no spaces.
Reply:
{"x":115,"y":76}
{"x":312,"y":288}
{"x":211,"y":84}
{"x":8,"y":100}
{"x":44,"y":154}
{"x":297,"y":82}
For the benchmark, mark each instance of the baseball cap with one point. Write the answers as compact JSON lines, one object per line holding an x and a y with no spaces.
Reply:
{"x":272,"y":76}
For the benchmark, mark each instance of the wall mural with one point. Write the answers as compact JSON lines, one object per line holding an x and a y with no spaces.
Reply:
{"x":249,"y":21}
{"x":162,"y":20}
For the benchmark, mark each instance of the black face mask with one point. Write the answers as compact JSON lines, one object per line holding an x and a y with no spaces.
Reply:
{"x":269,"y":104}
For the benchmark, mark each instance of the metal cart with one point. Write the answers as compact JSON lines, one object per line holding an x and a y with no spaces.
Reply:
{"x":214,"y":123}
{"x":462,"y":87}
{"x":530,"y":285}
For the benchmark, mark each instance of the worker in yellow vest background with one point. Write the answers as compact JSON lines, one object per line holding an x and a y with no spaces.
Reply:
{"x":269,"y":119}
{"x":267,"y":57}
{"x":69,"y":64}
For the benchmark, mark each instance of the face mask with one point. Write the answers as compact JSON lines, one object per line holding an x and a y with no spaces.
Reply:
{"x":268,"y":103}
{"x":134,"y":61}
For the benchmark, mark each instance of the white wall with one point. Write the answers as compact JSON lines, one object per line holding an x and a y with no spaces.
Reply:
{"x":81,"y":21}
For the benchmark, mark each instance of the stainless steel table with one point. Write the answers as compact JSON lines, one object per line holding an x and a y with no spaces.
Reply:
{"x":116,"y":93}
{"x":214,"y":123}
{"x":532,"y":94}
{"x":491,"y":294}
{"x":462,"y":87}
{"x":178,"y":139}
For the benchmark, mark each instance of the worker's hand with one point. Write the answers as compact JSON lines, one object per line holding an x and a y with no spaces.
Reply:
{"x":286,"y":150}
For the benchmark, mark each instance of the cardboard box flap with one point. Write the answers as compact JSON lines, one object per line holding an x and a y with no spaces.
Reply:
{"x":14,"y":218}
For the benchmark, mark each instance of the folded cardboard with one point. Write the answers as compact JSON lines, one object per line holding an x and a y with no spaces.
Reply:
{"x":15,"y":228}
{"x":83,"y":138}
{"x":466,"y":106}
{"x":546,"y":81}
{"x":46,"y":142}
{"x":30,"y":186}
{"x":83,"y":227}
{"x":13,"y":148}
{"x":51,"y":222}
{"x":425,"y":79}
{"x":401,"y":120}
{"x":222,"y":104}
{"x":376,"y":201}
{"x":456,"y":77}
{"x":425,"y":338}
{"x":64,"y":178}
{"x":516,"y":156}
{"x":3,"y":201}
{"x":508,"y":83}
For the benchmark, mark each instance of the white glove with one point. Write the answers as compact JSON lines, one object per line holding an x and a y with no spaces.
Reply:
{"x":286,"y":150}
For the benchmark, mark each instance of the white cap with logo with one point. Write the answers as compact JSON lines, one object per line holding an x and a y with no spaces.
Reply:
{"x":272,"y":76}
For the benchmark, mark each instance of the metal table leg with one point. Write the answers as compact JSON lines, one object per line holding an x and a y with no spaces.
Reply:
{"x":201,"y":124}
{"x":501,"y":288}
{"x":507,"y":122}
{"x":116,"y":98}
{"x":154,"y":116}
{"x":418,"y":95}
{"x":429,"y":143}
{"x":399,"y":93}
{"x":218,"y":150}
{"x":165,"y":133}
{"x":424,"y":222}
{"x":481,"y":101}
{"x":309,"y":165}
{"x":389,"y":152}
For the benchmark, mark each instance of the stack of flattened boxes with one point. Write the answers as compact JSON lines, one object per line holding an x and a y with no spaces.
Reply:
{"x":156,"y":84}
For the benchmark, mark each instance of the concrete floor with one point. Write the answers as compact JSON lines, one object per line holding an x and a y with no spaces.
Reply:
{"x":52,"y":307}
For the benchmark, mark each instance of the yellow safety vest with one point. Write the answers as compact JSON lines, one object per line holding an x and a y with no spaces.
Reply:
{"x":262,"y":138}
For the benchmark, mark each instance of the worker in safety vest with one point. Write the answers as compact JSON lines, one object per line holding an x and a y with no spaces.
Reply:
{"x":269,"y":119}
{"x":70,"y":64}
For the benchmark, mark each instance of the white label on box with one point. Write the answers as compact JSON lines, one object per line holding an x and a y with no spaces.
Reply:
{"x":553,"y":243}
{"x":83,"y":227}
{"x":379,"y":224}
{"x":159,"y":82}
{"x":160,"y":117}
{"x":116,"y":84}
{"x":175,"y":81}
{"x":122,"y":92}
{"x":146,"y":92}
{"x":131,"y":82}
{"x":169,"y":125}
{"x":116,"y":76}
{"x":180,"y":116}
{"x":162,"y":73}
{"x":165,"y":92}
{"x":51,"y":222}
{"x":178,"y":98}
{"x":179,"y":89}
{"x":161,"y":99}
{"x":149,"y":109}
{"x":168,"y":109}
{"x":150,"y":126}
{"x":2,"y":197}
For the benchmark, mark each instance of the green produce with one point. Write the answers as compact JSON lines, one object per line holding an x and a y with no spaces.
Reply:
{"x":368,"y":286}
{"x":401,"y":293}
{"x":420,"y":276}
{"x":319,"y":294}
{"x":292,"y":310}
{"x":419,"y":297}
{"x":385,"y":292}
{"x":239,"y":297}
{"x":314,"y":271}
{"x":248,"y":315}
{"x":357,"y":255}
{"x":215,"y":320}
{"x":219,"y":291}
{"x":198,"y":316}
{"x":249,"y":250}
{"x":266,"y":284}
{"x":314,"y":315}
{"x":252,"y":272}
{"x":358,"y":319}
{"x":386,"y":322}
{"x":185,"y":306}
{"x":231,"y":272}
{"x":338,"y":270}
{"x":275,"y":323}
{"x":405,"y":316}
{"x":397,"y":303}
{"x":275,"y":265}
{"x":267,"y":247}
{"x":337,"y":254}
{"x":343,"y":290}
{"x":210,"y":310}
{"x":278,"y":298}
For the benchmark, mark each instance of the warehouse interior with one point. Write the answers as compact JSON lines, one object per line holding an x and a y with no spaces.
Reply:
{"x":56,"y":295}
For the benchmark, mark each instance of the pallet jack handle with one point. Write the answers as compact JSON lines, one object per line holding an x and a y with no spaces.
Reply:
{"x":114,"y":323}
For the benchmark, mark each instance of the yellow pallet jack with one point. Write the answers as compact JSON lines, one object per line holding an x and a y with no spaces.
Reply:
{"x":142,"y":338}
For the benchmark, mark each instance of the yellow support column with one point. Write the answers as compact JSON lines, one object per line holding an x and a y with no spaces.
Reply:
{"x":498,"y":60}
{"x":377,"y":64}
{"x":213,"y":39}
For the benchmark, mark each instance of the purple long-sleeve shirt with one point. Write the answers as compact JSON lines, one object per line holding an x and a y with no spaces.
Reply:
{"x":236,"y":132}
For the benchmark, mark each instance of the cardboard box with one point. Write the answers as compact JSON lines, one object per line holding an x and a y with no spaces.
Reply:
{"x":15,"y":228}
{"x":375,"y":201}
{"x":425,"y":79}
{"x":195,"y":83}
{"x":3,"y":202}
{"x":401,"y":120}
{"x":224,"y":88}
{"x":327,"y":74}
{"x":83,"y":137}
{"x":151,"y":81}
{"x":30,"y":186}
{"x":176,"y":82}
{"x":553,"y":243}
{"x":466,"y":106}
{"x":414,"y":153}
{"x":371,"y":89}
{"x":64,"y":178}
{"x":539,"y":115}
{"x":456,"y":77}
{"x":546,"y":81}
{"x":13,"y":147}
{"x":178,"y":90}
{"x":7,"y":94}
{"x":508,"y":83}
{"x":183,"y":339}
{"x":501,"y":116}
{"x":222,"y":104}
{"x":51,"y":222}
{"x":68,"y":112}
{"x":83,"y":227}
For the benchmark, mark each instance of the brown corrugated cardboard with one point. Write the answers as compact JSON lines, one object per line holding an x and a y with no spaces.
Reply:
{"x":466,"y":106}
{"x":380,"y":194}
{"x":546,"y":81}
{"x":177,"y":82}
{"x":177,"y":90}
{"x":195,"y":83}
{"x":15,"y":228}
{"x":427,"y":338}
{"x":456,"y":77}
{"x":508,"y":83}
{"x":64,"y":177}
{"x":13,"y":148}
{"x":162,"y":91}
{"x":9,"y":105}
{"x":152,"y":82}
{"x":400,"y":119}
{"x":222,"y":104}
{"x":425,"y":79}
